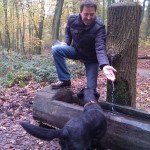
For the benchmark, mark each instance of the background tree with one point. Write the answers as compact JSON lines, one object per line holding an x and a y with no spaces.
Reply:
{"x":143,"y":9}
{"x":24,"y":27}
{"x":17,"y":43}
{"x":39,"y":31}
{"x":147,"y":22}
{"x":56,"y":20}
{"x":6,"y":30}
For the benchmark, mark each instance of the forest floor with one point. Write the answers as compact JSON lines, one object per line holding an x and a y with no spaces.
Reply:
{"x":16,"y":105}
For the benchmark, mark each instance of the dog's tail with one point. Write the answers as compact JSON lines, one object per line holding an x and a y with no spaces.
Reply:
{"x":42,"y":133}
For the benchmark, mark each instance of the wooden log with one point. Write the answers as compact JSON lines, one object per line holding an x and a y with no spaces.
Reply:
{"x":128,"y":128}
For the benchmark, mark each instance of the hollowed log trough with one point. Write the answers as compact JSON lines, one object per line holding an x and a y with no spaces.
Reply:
{"x":128,"y":128}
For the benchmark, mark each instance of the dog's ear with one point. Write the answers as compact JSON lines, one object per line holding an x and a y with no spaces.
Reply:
{"x":80,"y":94}
{"x":97,"y":95}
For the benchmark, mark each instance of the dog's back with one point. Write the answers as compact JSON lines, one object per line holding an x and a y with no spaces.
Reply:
{"x":85,"y":131}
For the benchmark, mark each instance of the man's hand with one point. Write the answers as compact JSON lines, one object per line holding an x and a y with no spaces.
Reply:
{"x":109,"y":72}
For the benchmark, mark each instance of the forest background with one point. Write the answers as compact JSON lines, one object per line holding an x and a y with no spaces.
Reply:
{"x":27,"y":31}
{"x":29,"y":27}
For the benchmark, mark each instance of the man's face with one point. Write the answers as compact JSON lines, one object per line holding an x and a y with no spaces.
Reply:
{"x":88,"y":15}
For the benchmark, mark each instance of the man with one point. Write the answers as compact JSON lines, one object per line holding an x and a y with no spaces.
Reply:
{"x":85,"y":40}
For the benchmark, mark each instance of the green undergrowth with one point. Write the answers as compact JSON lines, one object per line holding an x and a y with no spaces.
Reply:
{"x":18,"y":69}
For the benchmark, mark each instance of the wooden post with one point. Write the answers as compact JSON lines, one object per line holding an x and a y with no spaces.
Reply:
{"x":122,"y":48}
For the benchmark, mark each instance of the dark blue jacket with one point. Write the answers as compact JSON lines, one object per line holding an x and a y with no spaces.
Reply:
{"x":89,"y":41}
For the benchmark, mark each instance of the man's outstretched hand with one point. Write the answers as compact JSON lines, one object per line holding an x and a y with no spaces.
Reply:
{"x":109,"y":72}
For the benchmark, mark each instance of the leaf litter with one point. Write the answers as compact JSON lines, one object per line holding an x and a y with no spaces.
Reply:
{"x":16,"y":105}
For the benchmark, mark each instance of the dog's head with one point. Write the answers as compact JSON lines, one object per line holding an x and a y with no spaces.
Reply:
{"x":86,"y":95}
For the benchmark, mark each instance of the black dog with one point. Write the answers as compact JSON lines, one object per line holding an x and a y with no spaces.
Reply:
{"x":80,"y":133}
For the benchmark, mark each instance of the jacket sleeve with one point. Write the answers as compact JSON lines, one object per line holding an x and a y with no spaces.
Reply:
{"x":100,"y":44}
{"x":68,"y":37}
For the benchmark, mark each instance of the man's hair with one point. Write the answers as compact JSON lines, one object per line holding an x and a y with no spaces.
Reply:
{"x":88,"y":3}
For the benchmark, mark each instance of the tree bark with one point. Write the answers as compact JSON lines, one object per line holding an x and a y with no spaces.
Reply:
{"x":122,"y":47}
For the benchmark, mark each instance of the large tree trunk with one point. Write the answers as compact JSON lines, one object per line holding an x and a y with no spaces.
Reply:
{"x":122,"y":46}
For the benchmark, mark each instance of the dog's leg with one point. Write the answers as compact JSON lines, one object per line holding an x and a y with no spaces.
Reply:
{"x":63,"y":145}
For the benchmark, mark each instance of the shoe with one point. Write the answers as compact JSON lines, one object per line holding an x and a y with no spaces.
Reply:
{"x":61,"y":84}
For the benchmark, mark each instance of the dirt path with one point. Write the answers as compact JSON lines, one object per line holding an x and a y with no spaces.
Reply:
{"x":144,"y":72}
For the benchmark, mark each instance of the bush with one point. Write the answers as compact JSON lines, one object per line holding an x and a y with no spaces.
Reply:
{"x":17,"y":69}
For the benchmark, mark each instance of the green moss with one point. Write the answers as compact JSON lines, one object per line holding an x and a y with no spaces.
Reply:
{"x":121,"y":93}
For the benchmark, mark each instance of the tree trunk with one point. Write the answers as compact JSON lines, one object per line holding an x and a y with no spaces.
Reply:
{"x":17,"y":44}
{"x":13,"y":27}
{"x":22,"y":28}
{"x":7,"y":34}
{"x":147,"y":29}
{"x":122,"y":47}
{"x":30,"y":34}
{"x":56,"y":20}
{"x":40,"y":29}
{"x":30,"y":26}
{"x":143,"y":10}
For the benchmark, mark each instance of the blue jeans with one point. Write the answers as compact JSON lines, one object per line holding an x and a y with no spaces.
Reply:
{"x":60,"y":52}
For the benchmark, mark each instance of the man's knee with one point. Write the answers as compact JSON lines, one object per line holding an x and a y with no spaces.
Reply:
{"x":55,"y":49}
